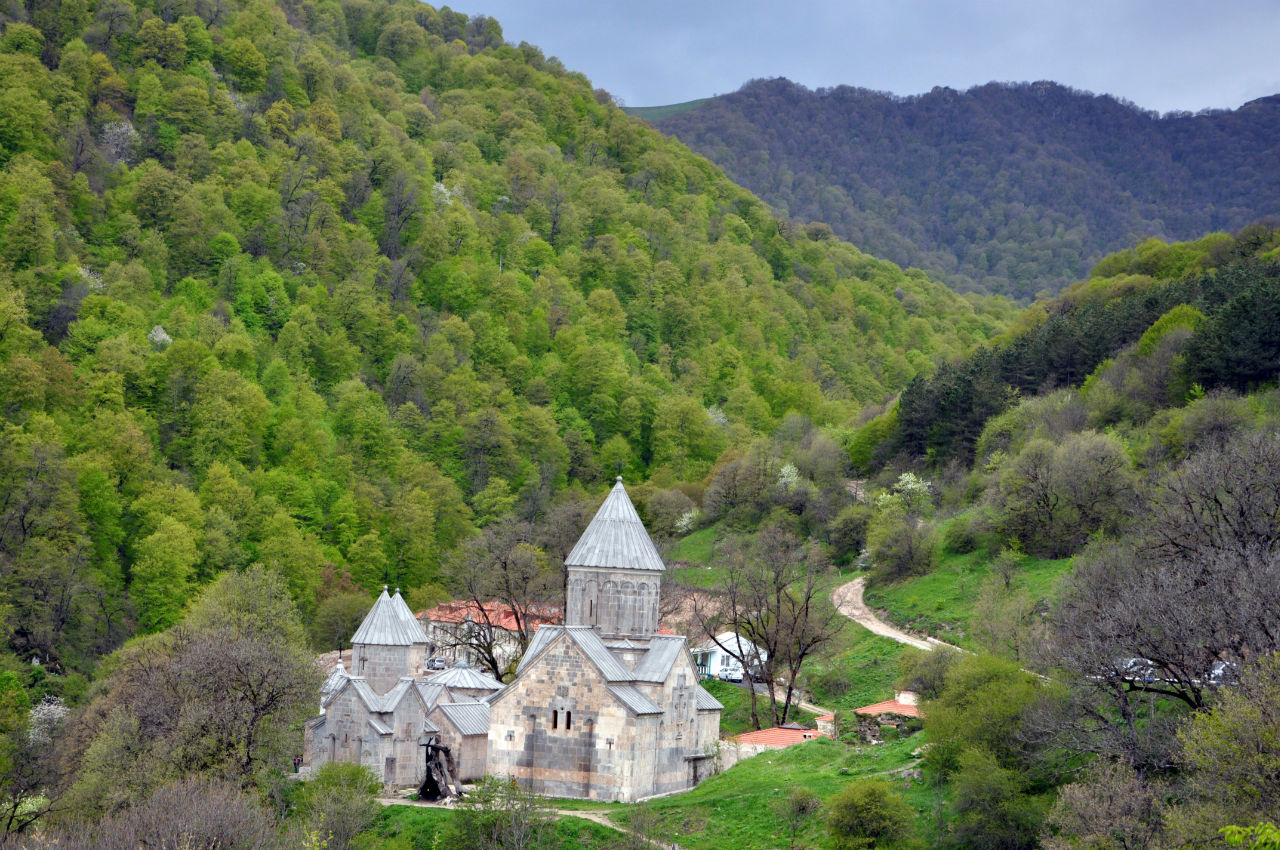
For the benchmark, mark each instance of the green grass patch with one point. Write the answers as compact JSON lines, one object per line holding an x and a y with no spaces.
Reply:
{"x":411,"y":827}
{"x":736,"y":700}
{"x":859,"y":669}
{"x":657,"y":113}
{"x":738,"y":808}
{"x":942,"y":603}
{"x":694,"y":549}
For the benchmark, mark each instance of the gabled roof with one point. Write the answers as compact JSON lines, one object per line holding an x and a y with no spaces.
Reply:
{"x":465,"y":677}
{"x":655,"y":665}
{"x":632,"y":698}
{"x":334,"y":682}
{"x":587,"y":641}
{"x":432,"y":693}
{"x":469,"y":718}
{"x":389,"y":623}
{"x":889,"y":706}
{"x":616,"y":538}
{"x":705,"y":701}
{"x":378,"y":727}
{"x":372,"y":701}
{"x":778,"y":737}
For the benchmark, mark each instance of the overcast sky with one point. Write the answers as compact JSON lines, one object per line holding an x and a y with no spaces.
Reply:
{"x":1167,"y":55}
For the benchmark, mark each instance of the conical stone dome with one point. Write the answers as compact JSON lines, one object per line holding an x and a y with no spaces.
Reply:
{"x":616,"y":538}
{"x":389,"y":623}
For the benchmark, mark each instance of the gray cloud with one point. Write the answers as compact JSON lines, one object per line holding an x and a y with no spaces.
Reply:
{"x":1175,"y":54}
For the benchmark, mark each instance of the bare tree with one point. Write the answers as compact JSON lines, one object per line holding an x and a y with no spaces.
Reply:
{"x":771,"y":598}
{"x":1175,"y":608}
{"x":219,"y":695}
{"x":510,"y":584}
{"x":1108,"y":807}
{"x":195,"y":813}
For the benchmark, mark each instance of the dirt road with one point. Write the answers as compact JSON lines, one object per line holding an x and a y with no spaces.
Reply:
{"x":848,"y":601}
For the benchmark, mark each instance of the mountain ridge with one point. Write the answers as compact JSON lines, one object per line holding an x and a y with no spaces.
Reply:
{"x":1014,"y":188}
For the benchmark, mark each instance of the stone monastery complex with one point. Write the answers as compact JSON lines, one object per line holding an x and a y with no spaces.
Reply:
{"x":601,"y":708}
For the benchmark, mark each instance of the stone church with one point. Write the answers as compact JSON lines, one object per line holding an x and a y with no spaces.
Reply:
{"x":381,"y":711}
{"x":602,"y":708}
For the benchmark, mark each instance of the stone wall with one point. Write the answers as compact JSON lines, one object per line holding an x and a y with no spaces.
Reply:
{"x":558,"y":731}
{"x":346,"y":736}
{"x":617,"y":603}
{"x":382,"y":666}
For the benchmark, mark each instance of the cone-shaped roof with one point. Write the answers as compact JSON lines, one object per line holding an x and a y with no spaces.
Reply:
{"x":389,"y":623}
{"x":616,"y":538}
{"x":405,"y":613}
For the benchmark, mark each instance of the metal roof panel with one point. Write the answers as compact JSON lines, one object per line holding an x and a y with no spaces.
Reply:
{"x":466,"y":677}
{"x":632,"y":698}
{"x":470,"y":718}
{"x":616,"y":538}
{"x":705,"y":701}
{"x":655,"y":665}
{"x":386,"y":624}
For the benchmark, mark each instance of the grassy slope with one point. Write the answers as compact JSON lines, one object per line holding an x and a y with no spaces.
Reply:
{"x":737,"y":808}
{"x":942,"y":603}
{"x":414,"y":827}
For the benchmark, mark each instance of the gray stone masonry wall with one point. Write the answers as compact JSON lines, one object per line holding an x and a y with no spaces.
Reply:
{"x":382,"y":666}
{"x":582,"y":756}
{"x":346,"y":736}
{"x":617,"y":603}
{"x":470,"y":752}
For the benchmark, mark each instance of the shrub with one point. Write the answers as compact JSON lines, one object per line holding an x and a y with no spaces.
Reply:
{"x":867,"y":814}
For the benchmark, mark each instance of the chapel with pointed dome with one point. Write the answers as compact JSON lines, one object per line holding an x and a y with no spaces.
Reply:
{"x":604,"y":707}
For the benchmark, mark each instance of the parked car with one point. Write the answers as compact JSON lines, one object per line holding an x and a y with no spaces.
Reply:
{"x":437,"y":663}
{"x":1223,"y":673}
{"x":731,"y":673}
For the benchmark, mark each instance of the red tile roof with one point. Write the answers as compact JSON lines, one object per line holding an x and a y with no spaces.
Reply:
{"x":889,"y":706}
{"x":830,"y":717}
{"x":779,"y":737}
{"x":459,"y":611}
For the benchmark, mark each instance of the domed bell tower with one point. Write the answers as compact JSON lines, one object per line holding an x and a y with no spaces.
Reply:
{"x":615,"y":573}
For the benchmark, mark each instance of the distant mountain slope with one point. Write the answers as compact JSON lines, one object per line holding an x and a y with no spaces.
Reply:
{"x":1002,"y":188}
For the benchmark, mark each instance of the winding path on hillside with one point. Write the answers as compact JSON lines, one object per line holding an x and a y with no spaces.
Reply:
{"x":848,"y":601}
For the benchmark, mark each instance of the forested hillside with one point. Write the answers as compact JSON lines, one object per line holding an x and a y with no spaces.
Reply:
{"x":1003,"y":188}
{"x":1095,"y":496}
{"x":329,"y":286}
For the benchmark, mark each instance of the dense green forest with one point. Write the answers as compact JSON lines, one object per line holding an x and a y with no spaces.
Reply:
{"x":301,"y":298}
{"x":327,"y":287}
{"x":1010,"y":188}
{"x":339,"y":289}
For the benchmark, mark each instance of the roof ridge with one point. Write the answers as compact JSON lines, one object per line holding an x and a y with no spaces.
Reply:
{"x":616,"y":537}
{"x":389,"y":623}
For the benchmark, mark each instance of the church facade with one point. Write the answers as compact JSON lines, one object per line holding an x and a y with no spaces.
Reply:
{"x":602,"y":708}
